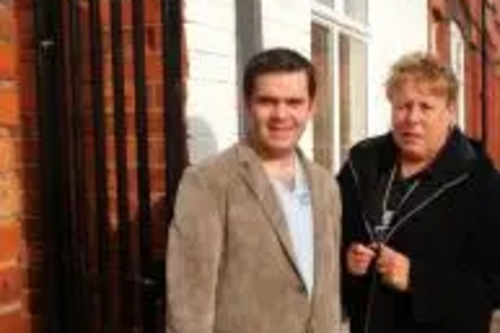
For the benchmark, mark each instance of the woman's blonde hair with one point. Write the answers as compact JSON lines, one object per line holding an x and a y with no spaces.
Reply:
{"x":426,"y":69}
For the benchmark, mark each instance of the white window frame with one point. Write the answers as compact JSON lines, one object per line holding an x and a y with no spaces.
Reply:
{"x":337,"y":22}
{"x":457,"y":61}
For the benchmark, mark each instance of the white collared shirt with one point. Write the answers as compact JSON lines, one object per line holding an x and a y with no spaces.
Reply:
{"x":296,"y":205}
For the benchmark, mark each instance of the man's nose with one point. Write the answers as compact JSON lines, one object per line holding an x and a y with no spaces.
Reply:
{"x":280,"y":110}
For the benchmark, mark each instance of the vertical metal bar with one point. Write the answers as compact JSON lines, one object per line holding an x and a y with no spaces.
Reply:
{"x":141,"y":129}
{"x":76,"y":169}
{"x":174,"y":123}
{"x":47,"y":48}
{"x":484,"y":74}
{"x":175,"y":127}
{"x":101,"y":282}
{"x":120,"y":133}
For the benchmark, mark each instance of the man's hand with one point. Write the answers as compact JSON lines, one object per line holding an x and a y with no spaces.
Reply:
{"x":359,"y":257}
{"x":394,"y":268}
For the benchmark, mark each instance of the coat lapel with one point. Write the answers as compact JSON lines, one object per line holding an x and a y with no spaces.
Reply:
{"x":318,"y":216}
{"x":256,"y":179}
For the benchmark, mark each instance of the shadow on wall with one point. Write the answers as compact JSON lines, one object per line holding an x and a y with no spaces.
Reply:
{"x":202,"y":142}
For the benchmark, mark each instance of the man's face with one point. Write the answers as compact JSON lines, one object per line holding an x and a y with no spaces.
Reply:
{"x":421,"y":120}
{"x":279,"y":110}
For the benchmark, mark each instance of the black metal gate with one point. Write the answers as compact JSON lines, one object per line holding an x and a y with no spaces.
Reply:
{"x":113,"y":146}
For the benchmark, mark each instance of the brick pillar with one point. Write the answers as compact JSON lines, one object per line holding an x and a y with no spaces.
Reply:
{"x":14,"y":313}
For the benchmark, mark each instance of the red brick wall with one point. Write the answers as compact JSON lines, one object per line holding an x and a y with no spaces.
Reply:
{"x":154,"y":87}
{"x":20,"y":243}
{"x":14,"y":128}
{"x":156,"y":138}
{"x":494,"y":70}
{"x":468,"y":15}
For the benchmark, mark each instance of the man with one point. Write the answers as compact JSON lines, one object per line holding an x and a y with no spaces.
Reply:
{"x":253,"y":246}
{"x":421,"y":219}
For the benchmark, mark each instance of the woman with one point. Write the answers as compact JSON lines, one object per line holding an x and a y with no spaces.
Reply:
{"x":421,"y":219}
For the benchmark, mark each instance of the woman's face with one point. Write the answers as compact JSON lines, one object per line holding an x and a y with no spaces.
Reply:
{"x":421,"y":120}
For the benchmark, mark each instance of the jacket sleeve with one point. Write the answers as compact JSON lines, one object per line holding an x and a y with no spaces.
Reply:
{"x":351,"y":207}
{"x":193,"y":255}
{"x":489,"y":240}
{"x":438,"y":289}
{"x":352,"y":230}
{"x":335,"y":203}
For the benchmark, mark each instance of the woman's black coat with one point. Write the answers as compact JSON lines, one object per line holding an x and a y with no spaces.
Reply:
{"x":449,"y":228}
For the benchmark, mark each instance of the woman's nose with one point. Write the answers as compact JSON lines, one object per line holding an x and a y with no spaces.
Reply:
{"x":414,"y":113}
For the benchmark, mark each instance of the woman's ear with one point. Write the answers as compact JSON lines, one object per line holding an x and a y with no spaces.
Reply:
{"x":453,"y":113}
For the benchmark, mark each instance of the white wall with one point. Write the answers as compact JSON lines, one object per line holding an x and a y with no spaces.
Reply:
{"x":211,"y":102}
{"x":212,"y":82}
{"x":287,"y":23}
{"x":396,"y":27}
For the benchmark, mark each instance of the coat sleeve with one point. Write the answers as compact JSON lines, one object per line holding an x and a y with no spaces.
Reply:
{"x":352,"y":230}
{"x":351,"y":205}
{"x":438,"y":290}
{"x":489,"y":240}
{"x":193,"y":255}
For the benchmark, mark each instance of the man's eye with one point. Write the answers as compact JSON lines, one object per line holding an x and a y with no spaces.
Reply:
{"x":294,"y":102}
{"x":266,"y":101}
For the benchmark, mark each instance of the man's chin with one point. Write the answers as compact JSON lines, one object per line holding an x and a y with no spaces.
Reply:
{"x":280,"y":149}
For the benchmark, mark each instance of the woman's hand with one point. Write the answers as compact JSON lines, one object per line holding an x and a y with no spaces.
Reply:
{"x":359,"y":257}
{"x":394,"y":268}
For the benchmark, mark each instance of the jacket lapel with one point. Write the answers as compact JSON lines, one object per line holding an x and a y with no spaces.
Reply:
{"x":257,"y":181}
{"x":318,"y":219}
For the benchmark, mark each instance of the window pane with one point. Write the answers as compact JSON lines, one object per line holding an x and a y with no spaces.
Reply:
{"x":357,"y":9}
{"x":323,"y":122}
{"x":352,"y":84}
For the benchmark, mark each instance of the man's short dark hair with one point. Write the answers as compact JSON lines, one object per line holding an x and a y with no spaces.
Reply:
{"x":277,"y":60}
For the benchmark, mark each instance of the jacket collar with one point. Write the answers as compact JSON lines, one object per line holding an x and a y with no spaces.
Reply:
{"x":457,"y":156}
